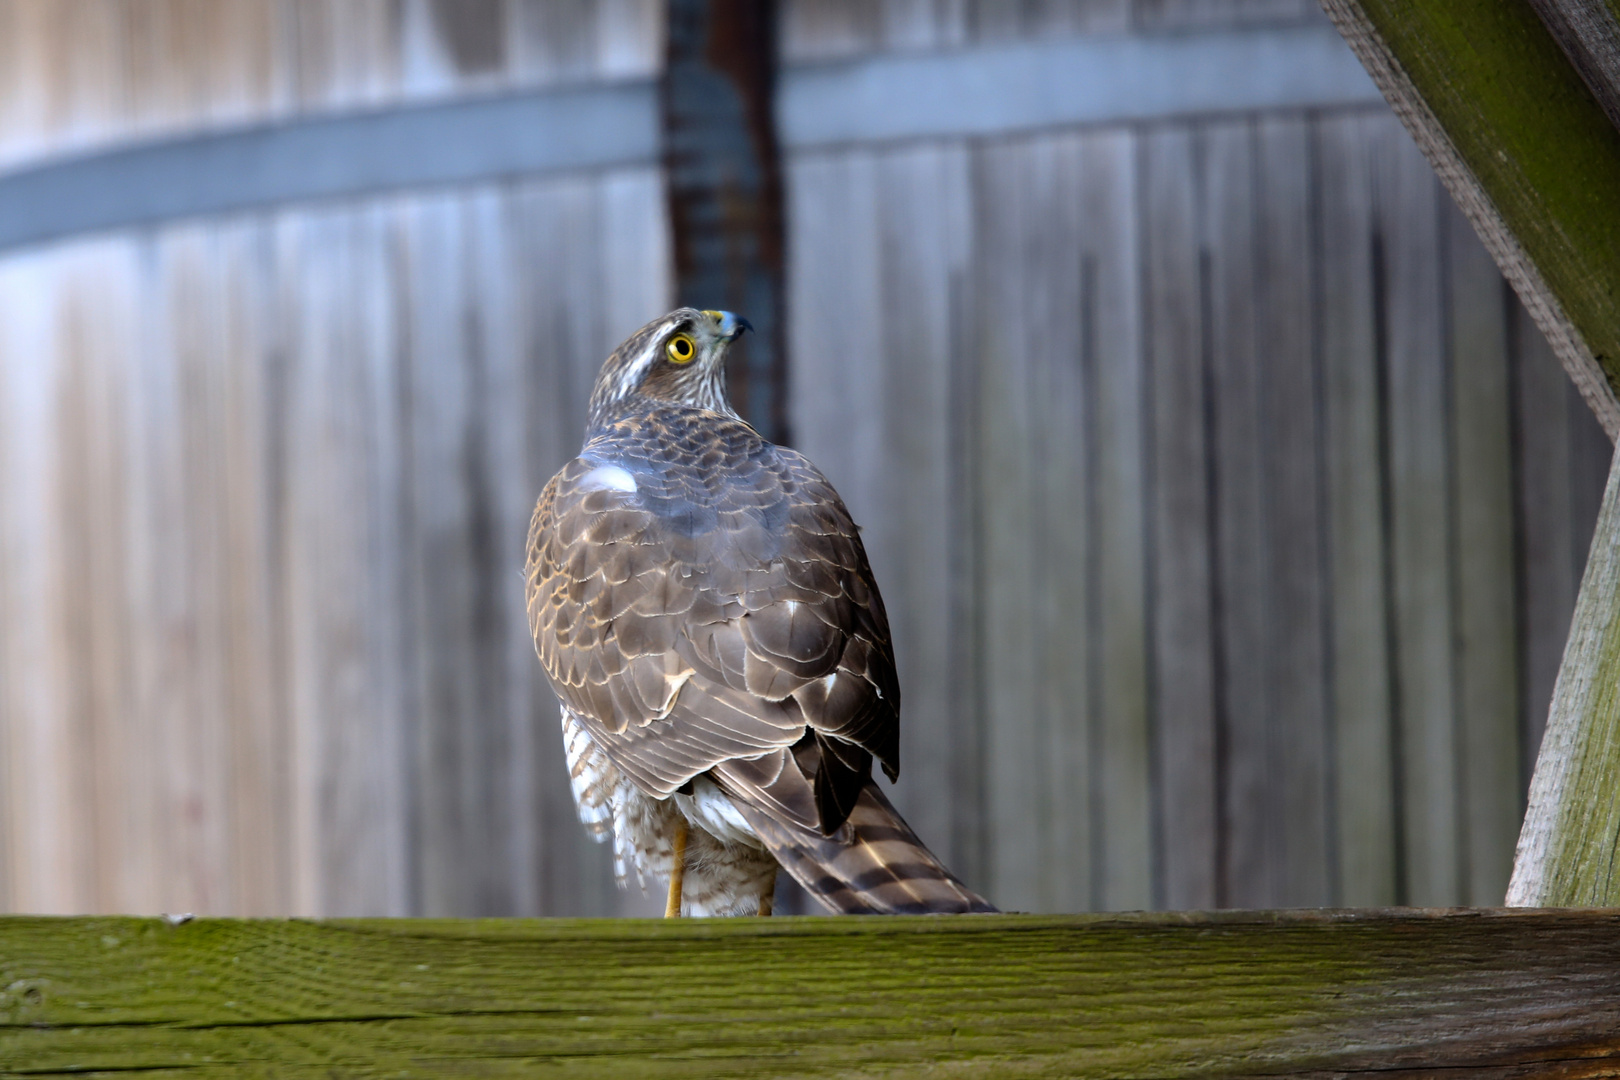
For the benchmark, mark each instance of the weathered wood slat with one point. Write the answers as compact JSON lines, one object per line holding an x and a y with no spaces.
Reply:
{"x":351,"y":805}
{"x":1006,"y":501}
{"x":1571,"y":828}
{"x":1361,"y":652}
{"x":75,"y":80}
{"x":921,"y":241}
{"x":181,"y":439}
{"x":826,"y":29}
{"x":1407,"y":202}
{"x":1120,"y":759}
{"x":261,"y":883}
{"x":1176,"y":391}
{"x":1542,"y":492}
{"x":106,"y":704}
{"x":1242,"y":585}
{"x":460,"y":537}
{"x":1299,"y":845}
{"x":969,"y":731}
{"x":1491,"y":994}
{"x":1589,"y":33}
{"x":1049,"y":293}
{"x":1487,"y":639}
{"x":1188,"y":14}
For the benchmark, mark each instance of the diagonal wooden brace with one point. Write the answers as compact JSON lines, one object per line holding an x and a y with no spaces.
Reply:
{"x":1568,"y":846}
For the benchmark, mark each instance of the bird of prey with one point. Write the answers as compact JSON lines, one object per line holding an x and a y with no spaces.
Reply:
{"x":703,"y":607}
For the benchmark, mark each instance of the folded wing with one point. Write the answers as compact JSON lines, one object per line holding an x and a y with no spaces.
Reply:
{"x":701,"y":596}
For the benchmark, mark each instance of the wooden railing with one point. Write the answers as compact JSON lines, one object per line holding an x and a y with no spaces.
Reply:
{"x":1402,"y":992}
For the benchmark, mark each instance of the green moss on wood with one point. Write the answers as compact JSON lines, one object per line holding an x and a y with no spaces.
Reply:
{"x":1116,"y":996}
{"x":1567,"y":850}
{"x":1531,"y":133}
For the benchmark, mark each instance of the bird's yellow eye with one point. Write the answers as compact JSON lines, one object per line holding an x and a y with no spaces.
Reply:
{"x":680,"y":349}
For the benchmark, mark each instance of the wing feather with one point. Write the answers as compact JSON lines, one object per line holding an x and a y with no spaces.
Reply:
{"x":711,"y":611}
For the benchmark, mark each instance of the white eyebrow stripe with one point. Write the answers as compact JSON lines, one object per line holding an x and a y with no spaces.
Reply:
{"x":636,"y":371}
{"x":607,"y":478}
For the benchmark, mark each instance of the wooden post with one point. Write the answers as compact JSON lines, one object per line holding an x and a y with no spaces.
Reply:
{"x":722,"y":164}
{"x":1566,"y":854}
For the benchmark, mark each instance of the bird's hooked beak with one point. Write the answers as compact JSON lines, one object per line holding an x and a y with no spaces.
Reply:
{"x":731,"y":326}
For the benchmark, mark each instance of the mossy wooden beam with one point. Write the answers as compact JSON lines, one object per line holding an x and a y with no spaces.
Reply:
{"x":1480,"y":994}
{"x":1589,"y":33}
{"x":1567,"y":848}
{"x":1524,"y":148}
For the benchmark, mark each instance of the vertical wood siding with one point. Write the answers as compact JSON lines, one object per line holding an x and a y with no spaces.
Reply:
{"x":266,"y":484}
{"x":1228,"y":508}
{"x":1272,"y":503}
{"x":77,"y":76}
{"x":1252,"y":527}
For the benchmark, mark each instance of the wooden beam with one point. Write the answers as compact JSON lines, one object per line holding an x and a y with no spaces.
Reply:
{"x":1566,"y":853}
{"x":1589,"y":34}
{"x":1527,"y":152}
{"x":723,"y":170}
{"x":1477,"y":993}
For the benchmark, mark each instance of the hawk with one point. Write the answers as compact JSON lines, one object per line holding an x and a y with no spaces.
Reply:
{"x":702,"y":605}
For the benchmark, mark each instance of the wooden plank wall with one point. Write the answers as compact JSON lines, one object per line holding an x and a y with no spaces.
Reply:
{"x":1260,"y":504}
{"x":266,"y":480}
{"x":1228,"y":509}
{"x":77,"y":76}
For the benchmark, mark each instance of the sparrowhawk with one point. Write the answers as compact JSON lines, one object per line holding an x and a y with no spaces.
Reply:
{"x":702,"y":604}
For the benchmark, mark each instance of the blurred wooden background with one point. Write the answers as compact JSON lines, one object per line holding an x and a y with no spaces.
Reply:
{"x":1228,"y":508}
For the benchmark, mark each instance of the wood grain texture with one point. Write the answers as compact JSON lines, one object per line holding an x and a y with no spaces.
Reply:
{"x":922,"y":220}
{"x":1542,"y":493}
{"x":1412,"y":359}
{"x":1176,"y":393}
{"x":1298,"y":829}
{"x":1571,"y":827}
{"x":1280,"y":994}
{"x":1357,"y":584}
{"x":1017,"y":789}
{"x":1190,"y":14}
{"x":1589,"y":33}
{"x":1064,"y":519}
{"x":1242,"y":580}
{"x":1487,"y":632}
{"x":291,"y":674}
{"x":1121,"y":756}
{"x":819,"y":30}
{"x":78,"y":77}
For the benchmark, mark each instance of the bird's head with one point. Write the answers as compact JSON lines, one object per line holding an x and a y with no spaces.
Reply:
{"x":678,"y":359}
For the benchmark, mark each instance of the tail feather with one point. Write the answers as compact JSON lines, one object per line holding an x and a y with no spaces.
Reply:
{"x":873,"y":865}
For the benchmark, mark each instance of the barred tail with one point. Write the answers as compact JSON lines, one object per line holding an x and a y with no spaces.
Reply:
{"x":874,"y":865}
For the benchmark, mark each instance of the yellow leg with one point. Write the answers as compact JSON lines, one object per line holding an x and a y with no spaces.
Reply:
{"x":677,"y":870}
{"x":765,"y":902}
